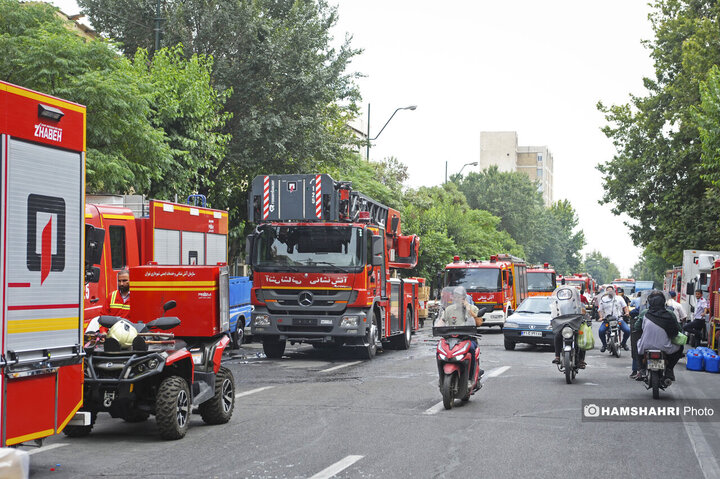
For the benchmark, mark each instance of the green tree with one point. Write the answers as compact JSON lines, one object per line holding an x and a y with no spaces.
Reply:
{"x":656,"y":176}
{"x":447,"y":226}
{"x":291,"y":95}
{"x":150,"y":125}
{"x":650,"y":267}
{"x":546,"y":234}
{"x":600,"y":268}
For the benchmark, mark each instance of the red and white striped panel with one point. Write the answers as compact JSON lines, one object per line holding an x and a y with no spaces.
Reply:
{"x":318,"y":196}
{"x":266,"y":197}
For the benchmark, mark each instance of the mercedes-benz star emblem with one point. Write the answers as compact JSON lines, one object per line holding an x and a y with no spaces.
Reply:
{"x":305,"y":298}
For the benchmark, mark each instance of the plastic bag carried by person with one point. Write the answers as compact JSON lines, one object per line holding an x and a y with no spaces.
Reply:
{"x":586,"y":340}
{"x":680,"y":339}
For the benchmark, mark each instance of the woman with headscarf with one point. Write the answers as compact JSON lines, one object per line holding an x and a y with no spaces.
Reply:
{"x":658,"y":326}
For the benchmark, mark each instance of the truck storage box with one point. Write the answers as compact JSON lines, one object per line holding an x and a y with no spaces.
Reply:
{"x":201,"y":294}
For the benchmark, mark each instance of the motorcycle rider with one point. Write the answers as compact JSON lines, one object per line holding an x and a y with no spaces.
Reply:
{"x":462,"y":312}
{"x":616,"y":307}
{"x":658,"y":326}
{"x":558,"y":339}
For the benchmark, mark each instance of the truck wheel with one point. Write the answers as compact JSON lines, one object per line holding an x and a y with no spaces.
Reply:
{"x":135,"y":415}
{"x":172,"y":408}
{"x":372,"y":336}
{"x":273,"y":347}
{"x":80,"y":431}
{"x":219,"y":409}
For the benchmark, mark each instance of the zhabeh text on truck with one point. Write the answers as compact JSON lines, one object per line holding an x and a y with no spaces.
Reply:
{"x":322,"y":256}
{"x":499,"y":285}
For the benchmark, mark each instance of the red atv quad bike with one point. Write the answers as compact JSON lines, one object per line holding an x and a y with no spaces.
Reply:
{"x":156,"y":373}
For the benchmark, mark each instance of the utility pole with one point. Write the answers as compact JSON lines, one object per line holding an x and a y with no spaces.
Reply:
{"x":158,"y":20}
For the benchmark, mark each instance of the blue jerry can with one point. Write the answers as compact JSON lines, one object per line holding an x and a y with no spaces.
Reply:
{"x":712,"y":363}
{"x":695,"y":360}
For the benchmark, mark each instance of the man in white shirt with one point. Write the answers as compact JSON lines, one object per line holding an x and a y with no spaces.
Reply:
{"x":679,"y":311}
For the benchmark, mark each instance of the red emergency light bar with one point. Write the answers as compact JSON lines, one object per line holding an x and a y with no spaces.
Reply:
{"x":364,"y":216}
{"x":456,"y":259}
{"x":546,"y":265}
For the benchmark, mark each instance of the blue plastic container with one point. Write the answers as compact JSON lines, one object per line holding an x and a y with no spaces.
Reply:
{"x":695,"y":360}
{"x":712,"y":363}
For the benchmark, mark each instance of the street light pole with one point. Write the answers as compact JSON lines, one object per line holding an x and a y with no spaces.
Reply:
{"x":474,"y":163}
{"x":367,"y":150}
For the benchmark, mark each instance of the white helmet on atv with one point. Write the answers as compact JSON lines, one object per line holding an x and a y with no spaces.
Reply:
{"x":123,"y":332}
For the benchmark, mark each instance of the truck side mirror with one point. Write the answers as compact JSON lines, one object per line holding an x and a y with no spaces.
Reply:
{"x":249,"y":245}
{"x":690,"y":288}
{"x":94,"y":241}
{"x":703,"y":278}
{"x":378,"y":252}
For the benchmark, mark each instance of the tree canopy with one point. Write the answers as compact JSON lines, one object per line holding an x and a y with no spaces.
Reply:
{"x":662,"y":173}
{"x":545,"y":234}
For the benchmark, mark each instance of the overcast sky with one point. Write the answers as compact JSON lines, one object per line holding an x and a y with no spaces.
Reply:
{"x":535,"y":67}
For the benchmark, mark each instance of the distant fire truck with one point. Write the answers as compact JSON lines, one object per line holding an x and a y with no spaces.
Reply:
{"x":584,"y":281}
{"x":322,"y":256}
{"x":499,"y":284}
{"x":542,"y":280}
{"x":42,"y":238}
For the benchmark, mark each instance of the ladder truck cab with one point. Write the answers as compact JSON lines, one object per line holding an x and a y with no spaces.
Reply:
{"x":322,"y":256}
{"x":542,"y":280}
{"x":499,"y":284}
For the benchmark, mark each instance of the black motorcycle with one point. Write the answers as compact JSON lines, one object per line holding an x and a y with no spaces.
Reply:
{"x":612,"y":335}
{"x":655,"y":378}
{"x":568,"y":326}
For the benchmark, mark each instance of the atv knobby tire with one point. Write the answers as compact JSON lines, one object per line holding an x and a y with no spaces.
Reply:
{"x":219,"y":408}
{"x":172,"y":408}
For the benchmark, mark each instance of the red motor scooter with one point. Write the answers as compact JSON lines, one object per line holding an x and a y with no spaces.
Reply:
{"x":454,"y":353}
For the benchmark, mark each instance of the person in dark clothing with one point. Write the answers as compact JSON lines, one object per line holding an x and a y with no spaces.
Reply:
{"x":658,"y":325}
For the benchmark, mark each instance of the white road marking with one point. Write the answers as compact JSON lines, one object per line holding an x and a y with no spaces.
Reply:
{"x":252,"y":391}
{"x":496,"y":372}
{"x":703,"y":452}
{"x":335,"y":368}
{"x":493,"y":373}
{"x":337,"y":468}
{"x":46,"y":448}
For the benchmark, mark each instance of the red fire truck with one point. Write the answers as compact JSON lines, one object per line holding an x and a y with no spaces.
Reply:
{"x":582,"y":280}
{"x":322,"y":256}
{"x":541,"y":280}
{"x":42,"y":147}
{"x":500,"y":284}
{"x":164,"y":232}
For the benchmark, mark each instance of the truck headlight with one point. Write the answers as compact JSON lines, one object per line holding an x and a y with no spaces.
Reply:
{"x":261,"y":320}
{"x":349,"y":322}
{"x":567,"y":332}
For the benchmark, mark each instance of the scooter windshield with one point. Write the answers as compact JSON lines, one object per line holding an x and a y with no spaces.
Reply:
{"x":565,"y":300}
{"x":454,"y":316}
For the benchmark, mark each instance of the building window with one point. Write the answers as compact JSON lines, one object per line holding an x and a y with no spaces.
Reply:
{"x":540,"y":172}
{"x":539,"y":158}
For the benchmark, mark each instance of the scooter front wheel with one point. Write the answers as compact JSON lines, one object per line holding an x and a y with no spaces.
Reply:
{"x":449,"y":390}
{"x":567,"y":365}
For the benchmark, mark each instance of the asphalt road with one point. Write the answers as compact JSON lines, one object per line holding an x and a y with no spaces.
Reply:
{"x":329,"y":414}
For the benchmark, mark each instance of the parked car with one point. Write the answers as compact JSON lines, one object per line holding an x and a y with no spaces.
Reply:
{"x":529,"y":324}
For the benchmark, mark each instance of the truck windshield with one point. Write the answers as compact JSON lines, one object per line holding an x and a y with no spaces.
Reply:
{"x":538,"y":281}
{"x":474,"y":279}
{"x":295,"y":247}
